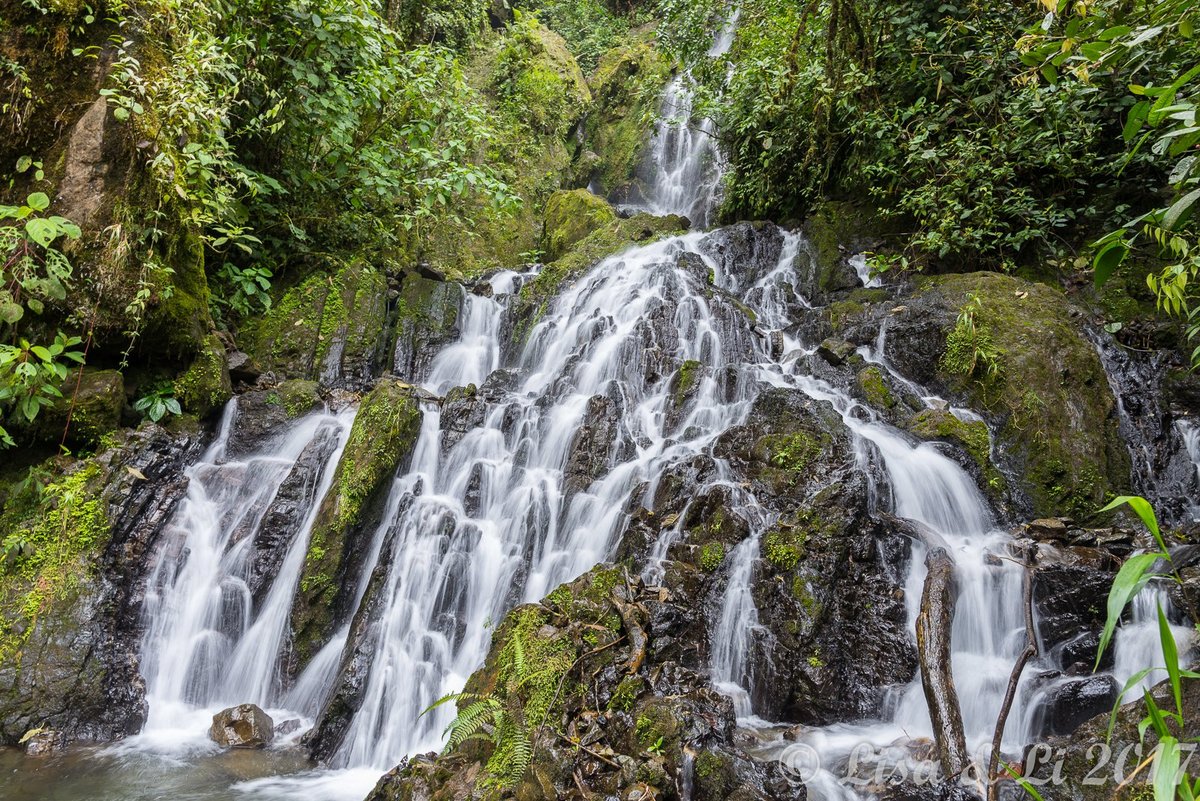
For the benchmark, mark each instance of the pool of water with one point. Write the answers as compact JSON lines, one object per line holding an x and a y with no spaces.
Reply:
{"x":129,"y":772}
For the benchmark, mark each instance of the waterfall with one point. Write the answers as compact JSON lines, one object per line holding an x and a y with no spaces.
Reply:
{"x":209,"y":641}
{"x":686,"y":162}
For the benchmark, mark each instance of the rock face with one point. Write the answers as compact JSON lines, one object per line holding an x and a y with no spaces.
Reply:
{"x":329,"y":328}
{"x":242,"y":726}
{"x":571,"y":216}
{"x":73,"y":669}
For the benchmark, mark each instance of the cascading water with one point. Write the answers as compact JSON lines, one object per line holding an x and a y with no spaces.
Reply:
{"x":686,"y":162}
{"x":503,"y":510}
{"x":209,"y":641}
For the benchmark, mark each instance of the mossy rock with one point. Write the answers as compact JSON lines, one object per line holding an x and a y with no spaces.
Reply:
{"x":874,"y":388}
{"x":1056,"y":412}
{"x":607,"y":240}
{"x":972,"y":437}
{"x":92,"y":401}
{"x":535,"y":94}
{"x":570,"y":217}
{"x":426,"y":320}
{"x":384,"y":432}
{"x":626,"y":86}
{"x":205,"y":387}
{"x":329,"y":328}
{"x":833,"y":231}
{"x":298,"y":397}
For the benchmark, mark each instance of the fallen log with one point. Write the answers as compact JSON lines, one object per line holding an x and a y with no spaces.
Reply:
{"x":934,"y":625}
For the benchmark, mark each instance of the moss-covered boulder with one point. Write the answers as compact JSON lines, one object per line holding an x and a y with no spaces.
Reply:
{"x":205,"y":387}
{"x":970,"y":435}
{"x":91,"y":407}
{"x":329,"y":328}
{"x":834,"y":232}
{"x":426,"y":313}
{"x":570,"y":217}
{"x":535,"y":94}
{"x":1031,"y":368}
{"x":626,"y":86}
{"x":381,"y":440}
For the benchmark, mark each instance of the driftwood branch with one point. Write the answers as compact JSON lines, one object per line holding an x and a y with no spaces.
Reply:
{"x":934,"y":624}
{"x":1014,"y":679}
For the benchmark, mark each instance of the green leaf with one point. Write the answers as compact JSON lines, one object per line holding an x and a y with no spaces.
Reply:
{"x":1130,"y":580}
{"x":1107,"y":260}
{"x":41,"y":231}
{"x":1166,"y":769}
{"x":1171,"y":657}
{"x":41,"y":353}
{"x":1146,"y":512}
{"x":24,"y":163}
{"x":1180,"y":210}
{"x":38,"y":201}
{"x":11,"y":312}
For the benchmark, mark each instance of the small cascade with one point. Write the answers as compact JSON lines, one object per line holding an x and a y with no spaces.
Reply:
{"x":216,"y":617}
{"x":684,"y":156}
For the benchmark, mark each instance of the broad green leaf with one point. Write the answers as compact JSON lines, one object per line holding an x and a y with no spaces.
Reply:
{"x":1166,"y":769}
{"x":1180,"y":210}
{"x":1145,"y":511}
{"x":1130,"y":580}
{"x":11,"y":312}
{"x":41,"y":231}
{"x":1171,"y":657}
{"x":38,"y":201}
{"x":42,"y":353}
{"x":1107,"y":260}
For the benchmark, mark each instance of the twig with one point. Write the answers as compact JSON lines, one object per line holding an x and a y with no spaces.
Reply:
{"x":1029,"y":653}
{"x":586,"y":750}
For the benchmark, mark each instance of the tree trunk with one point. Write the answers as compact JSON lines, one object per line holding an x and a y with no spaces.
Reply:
{"x":933,"y":648}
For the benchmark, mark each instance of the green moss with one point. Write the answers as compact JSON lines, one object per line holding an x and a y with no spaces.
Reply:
{"x":298,"y":397}
{"x":794,"y":451}
{"x":205,"y":387}
{"x":626,"y":694}
{"x":570,"y":217}
{"x":383,"y":434}
{"x":295,"y":337}
{"x":715,"y":776}
{"x":784,"y":547}
{"x":875,"y":389}
{"x":690,"y":373}
{"x":93,"y":401}
{"x":972,"y":437}
{"x":51,"y":542}
{"x":1058,"y":415}
{"x":712,"y":555}
{"x":843,"y":311}
{"x":626,"y":87}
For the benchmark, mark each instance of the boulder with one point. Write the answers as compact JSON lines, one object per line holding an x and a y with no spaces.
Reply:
{"x":1051,"y":528}
{"x":570,"y":217}
{"x":43,"y":742}
{"x":242,"y":726}
{"x":1070,"y":704}
{"x":92,"y":401}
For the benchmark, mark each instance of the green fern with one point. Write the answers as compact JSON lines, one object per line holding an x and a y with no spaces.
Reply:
{"x":530,"y":673}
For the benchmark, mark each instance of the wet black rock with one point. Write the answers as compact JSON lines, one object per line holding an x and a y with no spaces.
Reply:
{"x":1071,"y":703}
{"x":78,"y":672}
